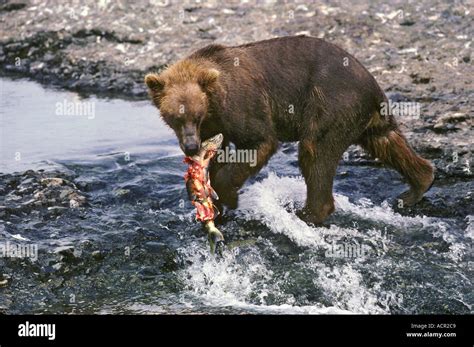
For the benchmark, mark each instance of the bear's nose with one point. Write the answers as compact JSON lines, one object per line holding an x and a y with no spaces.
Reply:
{"x":191,"y":149}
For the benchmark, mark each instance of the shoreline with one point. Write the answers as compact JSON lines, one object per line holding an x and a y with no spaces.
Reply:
{"x":418,"y":53}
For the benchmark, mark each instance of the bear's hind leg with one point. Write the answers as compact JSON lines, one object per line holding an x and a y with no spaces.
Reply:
{"x":318,"y":163}
{"x":391,"y":147}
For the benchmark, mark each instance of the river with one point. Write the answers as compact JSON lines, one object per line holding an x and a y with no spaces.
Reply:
{"x":137,"y":249}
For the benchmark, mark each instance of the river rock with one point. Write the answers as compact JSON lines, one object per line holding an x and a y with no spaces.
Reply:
{"x":30,"y":190}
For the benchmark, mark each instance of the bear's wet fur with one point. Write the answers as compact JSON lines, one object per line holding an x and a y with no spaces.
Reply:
{"x":285,"y":89}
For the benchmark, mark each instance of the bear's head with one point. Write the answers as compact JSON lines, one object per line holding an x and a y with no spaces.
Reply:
{"x":181,"y":92}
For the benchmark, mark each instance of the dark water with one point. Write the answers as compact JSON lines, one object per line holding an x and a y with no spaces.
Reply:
{"x":137,"y":248}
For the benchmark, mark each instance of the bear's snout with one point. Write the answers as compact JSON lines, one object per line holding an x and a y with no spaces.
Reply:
{"x":190,"y":140}
{"x":190,"y":143}
{"x":191,"y":149}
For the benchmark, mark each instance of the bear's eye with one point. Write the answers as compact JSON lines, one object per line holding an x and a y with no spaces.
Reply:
{"x":176,"y":120}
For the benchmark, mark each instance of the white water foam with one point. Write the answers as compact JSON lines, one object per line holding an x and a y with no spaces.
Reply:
{"x":270,"y":194}
{"x":230,"y":282}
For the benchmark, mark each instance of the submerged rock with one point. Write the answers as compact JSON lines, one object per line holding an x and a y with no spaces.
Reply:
{"x":29,"y":191}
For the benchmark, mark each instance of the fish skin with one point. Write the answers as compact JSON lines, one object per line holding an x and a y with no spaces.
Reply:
{"x":204,"y":156}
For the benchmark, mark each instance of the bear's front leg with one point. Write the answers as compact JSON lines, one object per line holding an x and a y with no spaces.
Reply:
{"x":226,"y":186}
{"x":228,"y":178}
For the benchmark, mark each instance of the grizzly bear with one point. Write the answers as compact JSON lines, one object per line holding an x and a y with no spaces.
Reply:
{"x":284,"y":89}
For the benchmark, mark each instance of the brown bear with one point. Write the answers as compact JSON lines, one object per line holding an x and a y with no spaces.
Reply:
{"x":284,"y":89}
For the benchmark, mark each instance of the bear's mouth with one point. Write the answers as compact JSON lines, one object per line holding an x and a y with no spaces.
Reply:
{"x":190,"y":145}
{"x":191,"y":150}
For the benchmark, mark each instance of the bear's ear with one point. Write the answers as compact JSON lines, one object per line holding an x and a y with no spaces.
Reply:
{"x":208,"y":77}
{"x":154,"y":82}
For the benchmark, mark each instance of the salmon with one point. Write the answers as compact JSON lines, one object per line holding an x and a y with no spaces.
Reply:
{"x":200,"y":191}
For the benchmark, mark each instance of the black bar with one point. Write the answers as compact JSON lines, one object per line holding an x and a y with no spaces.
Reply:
{"x":246,"y":329}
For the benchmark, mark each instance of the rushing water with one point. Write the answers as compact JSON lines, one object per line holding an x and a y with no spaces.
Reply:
{"x":137,"y":248}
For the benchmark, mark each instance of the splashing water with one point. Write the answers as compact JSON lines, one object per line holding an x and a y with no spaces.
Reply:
{"x":245,"y":279}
